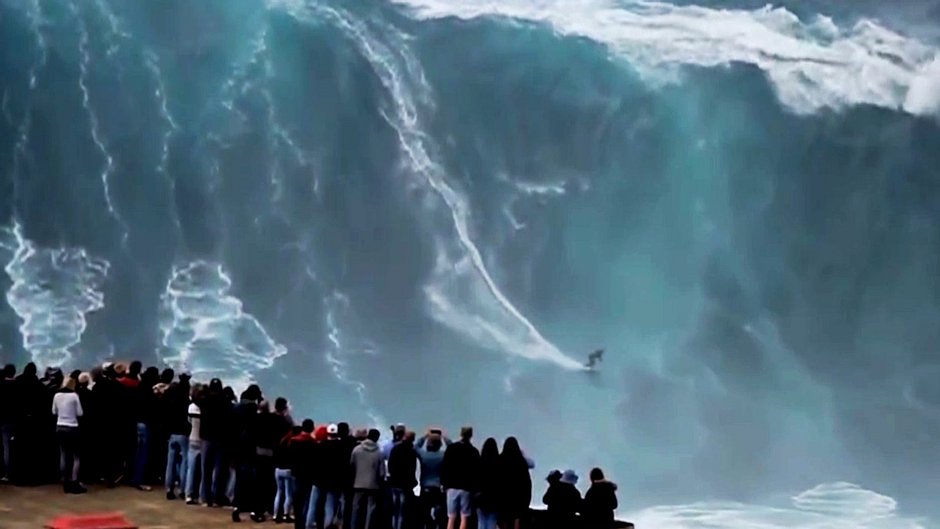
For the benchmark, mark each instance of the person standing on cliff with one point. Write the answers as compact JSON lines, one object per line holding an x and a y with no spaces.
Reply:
{"x":600,"y":502}
{"x":459,"y":476}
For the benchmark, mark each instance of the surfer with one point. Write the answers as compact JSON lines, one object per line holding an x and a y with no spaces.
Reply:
{"x":594,"y":358}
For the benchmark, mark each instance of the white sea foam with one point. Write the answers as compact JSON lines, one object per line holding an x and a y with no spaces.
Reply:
{"x":828,"y":506}
{"x":206,"y":331}
{"x":812,"y":64}
{"x":53,"y":291}
{"x":340,"y":350}
{"x":461,"y":292}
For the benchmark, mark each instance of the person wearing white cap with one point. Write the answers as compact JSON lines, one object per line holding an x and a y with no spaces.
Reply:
{"x":334,"y":476}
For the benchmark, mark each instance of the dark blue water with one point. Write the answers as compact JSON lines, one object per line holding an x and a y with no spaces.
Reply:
{"x":431,"y":212}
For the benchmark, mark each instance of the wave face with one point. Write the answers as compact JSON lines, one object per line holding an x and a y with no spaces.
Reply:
{"x":430,"y":211}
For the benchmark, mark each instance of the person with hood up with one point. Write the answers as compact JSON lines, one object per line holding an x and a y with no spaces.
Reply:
{"x":563,"y":501}
{"x":402,"y":470}
{"x":597,"y":510}
{"x":368,"y":468}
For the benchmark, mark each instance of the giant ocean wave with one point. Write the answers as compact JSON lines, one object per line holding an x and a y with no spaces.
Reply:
{"x":429,"y":211}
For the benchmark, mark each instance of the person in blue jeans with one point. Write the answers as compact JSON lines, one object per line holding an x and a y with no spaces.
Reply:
{"x":194,"y":461}
{"x":175,"y":413}
{"x":215,"y":409}
{"x":402,"y":469}
{"x":146,"y":404}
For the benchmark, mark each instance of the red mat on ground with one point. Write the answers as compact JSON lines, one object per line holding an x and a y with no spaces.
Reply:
{"x":108,"y":520}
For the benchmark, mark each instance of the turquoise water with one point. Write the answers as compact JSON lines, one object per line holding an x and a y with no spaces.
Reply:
{"x":432,"y":211}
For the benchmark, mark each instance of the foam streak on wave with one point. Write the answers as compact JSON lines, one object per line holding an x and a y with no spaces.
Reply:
{"x":108,"y":169}
{"x":337,"y":306}
{"x":206,"y":331}
{"x":152,"y":63}
{"x":812,"y":64}
{"x":53,"y":290}
{"x":21,"y":149}
{"x":483,"y":312}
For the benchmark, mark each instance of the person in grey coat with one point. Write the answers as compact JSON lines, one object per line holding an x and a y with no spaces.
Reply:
{"x":368,"y":469}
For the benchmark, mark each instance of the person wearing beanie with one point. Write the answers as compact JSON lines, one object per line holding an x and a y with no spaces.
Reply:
{"x":563,"y":501}
{"x":600,"y":502}
{"x":368,"y":468}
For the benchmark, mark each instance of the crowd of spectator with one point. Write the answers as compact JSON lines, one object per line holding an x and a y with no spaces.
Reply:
{"x":121,"y":424}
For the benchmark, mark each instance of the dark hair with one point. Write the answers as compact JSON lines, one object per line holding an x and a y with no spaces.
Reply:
{"x":343,"y":429}
{"x":307,"y":426}
{"x":75,"y":374}
{"x":134,"y":368}
{"x":489,"y":455}
{"x":215,"y":385}
{"x":151,"y":376}
{"x":30,"y":370}
{"x":553,"y":477}
{"x":597,"y":474}
{"x":374,"y":435}
{"x":229,"y":393}
{"x":280,"y":404}
{"x":167,"y":376}
{"x":466,"y":433}
{"x":9,"y":370}
{"x":253,"y":392}
{"x":295,"y":430}
{"x":512,"y":454}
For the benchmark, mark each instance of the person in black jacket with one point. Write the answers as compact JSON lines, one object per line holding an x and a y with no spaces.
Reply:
{"x":245,"y":427}
{"x":459,"y":478}
{"x":7,"y":416}
{"x":402,"y":470}
{"x":563,"y":501}
{"x":600,"y":502}
{"x":174,"y":410}
{"x":146,"y":405}
{"x":302,"y":453}
{"x":334,"y":457}
{"x":215,"y":409}
{"x":31,"y":422}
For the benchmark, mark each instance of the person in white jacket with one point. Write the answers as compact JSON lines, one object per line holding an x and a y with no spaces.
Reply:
{"x":68,"y":409}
